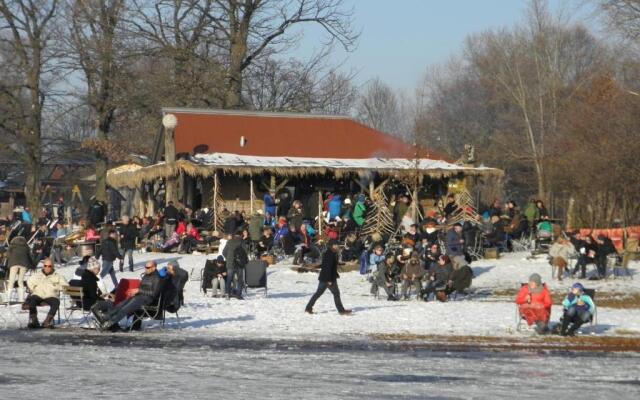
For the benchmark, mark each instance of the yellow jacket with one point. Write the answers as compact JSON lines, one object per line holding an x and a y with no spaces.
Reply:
{"x":46,"y":286}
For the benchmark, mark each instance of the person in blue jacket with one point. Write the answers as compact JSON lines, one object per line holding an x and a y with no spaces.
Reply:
{"x":335,"y":207}
{"x":578,"y":309}
{"x":269,"y":204}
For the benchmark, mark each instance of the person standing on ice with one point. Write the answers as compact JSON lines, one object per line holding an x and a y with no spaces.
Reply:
{"x":328,"y":279}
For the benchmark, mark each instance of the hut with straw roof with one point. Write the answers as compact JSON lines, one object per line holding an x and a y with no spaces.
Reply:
{"x":216,"y":158}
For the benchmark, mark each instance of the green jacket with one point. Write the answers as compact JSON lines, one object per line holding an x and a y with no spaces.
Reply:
{"x":531,"y":213}
{"x":358,"y":213}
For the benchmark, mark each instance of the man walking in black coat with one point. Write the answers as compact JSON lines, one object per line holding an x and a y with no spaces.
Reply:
{"x":328,"y":279}
{"x":128,"y":235}
{"x":109,"y":253}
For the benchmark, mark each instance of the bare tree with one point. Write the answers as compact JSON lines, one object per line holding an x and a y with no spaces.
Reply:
{"x":292,"y":85}
{"x":535,"y":68}
{"x":378,"y":107}
{"x":256,"y":28}
{"x":622,"y":15}
{"x":26,"y":32}
{"x":180,"y":37}
{"x":96,"y":51}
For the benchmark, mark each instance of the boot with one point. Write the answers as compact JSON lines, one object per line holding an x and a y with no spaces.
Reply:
{"x":565,"y":326}
{"x":33,"y":322}
{"x":48,"y":322}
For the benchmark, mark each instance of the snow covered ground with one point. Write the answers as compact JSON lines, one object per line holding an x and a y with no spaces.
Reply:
{"x":281,"y":316}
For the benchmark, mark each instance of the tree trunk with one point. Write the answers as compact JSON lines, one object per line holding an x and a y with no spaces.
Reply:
{"x":101,"y":178}
{"x":32,"y":181}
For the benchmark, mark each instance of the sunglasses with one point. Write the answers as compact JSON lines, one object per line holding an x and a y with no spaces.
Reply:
{"x":148,"y":267}
{"x":47,"y":266}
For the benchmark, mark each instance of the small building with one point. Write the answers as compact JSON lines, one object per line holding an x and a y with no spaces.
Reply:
{"x":235,"y":157}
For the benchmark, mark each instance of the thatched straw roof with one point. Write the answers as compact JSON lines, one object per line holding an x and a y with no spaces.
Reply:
{"x":205,"y":165}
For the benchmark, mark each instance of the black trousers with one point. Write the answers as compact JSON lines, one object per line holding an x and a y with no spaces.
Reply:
{"x":322,"y":286}
{"x":128,"y":307}
{"x":583,"y":260}
{"x":52,"y":302}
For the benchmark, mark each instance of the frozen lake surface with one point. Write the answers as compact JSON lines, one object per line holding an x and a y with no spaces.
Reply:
{"x":35,"y":365}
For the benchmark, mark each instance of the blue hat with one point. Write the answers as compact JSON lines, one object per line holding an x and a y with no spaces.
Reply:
{"x":578,"y":286}
{"x":220,"y":259}
{"x":162,"y":272}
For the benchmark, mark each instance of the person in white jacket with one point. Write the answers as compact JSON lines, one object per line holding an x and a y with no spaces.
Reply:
{"x":560,"y":253}
{"x":45,"y":286}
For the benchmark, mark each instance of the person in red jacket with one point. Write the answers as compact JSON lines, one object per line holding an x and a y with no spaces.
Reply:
{"x":534,"y":301}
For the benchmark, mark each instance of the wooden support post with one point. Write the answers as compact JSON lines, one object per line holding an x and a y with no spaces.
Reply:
{"x":272,"y":184}
{"x":319,"y":213}
{"x":171,"y":190}
{"x":215,"y":200}
{"x":251,"y":195}
{"x":371,"y":188}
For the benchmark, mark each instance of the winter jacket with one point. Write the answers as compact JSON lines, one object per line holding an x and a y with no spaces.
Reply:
{"x":413,"y":268}
{"x":384,"y":274}
{"x":255,"y":226}
{"x":26,"y":217}
{"x":375,"y":259}
{"x":335,"y":206}
{"x":441,"y":273}
{"x":359,"y":213}
{"x":572,"y":301}
{"x":90,"y":291}
{"x":128,"y":235}
{"x":295,"y":217}
{"x":329,"y":267}
{"x":431,"y":237}
{"x":454,"y":247}
{"x":531,"y":213}
{"x":46,"y":286}
{"x":564,"y":251}
{"x":97,"y":212}
{"x":542,"y":298}
{"x":233,"y":246}
{"x":109,"y":250}
{"x":151,"y":285}
{"x":606,"y":247}
{"x":174,"y":290}
{"x":171,"y":215}
{"x":269,"y":204}
{"x":461,"y":278}
{"x":19,"y":253}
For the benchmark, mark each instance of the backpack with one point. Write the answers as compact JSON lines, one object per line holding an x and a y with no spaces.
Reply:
{"x":240,"y":258}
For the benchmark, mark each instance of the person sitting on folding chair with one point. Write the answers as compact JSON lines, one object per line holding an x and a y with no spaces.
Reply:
{"x":534,"y":303}
{"x":578,"y":309}
{"x":45,"y":286}
{"x":383,"y":277}
{"x":174,"y":296}
{"x":151,"y":286}
{"x":89,"y":282}
{"x":437,"y":277}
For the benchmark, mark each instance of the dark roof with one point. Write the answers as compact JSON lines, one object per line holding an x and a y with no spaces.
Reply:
{"x":285,"y":134}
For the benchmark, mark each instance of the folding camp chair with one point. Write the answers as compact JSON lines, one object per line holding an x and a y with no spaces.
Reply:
{"x":154,"y":311}
{"x":73,"y":301}
{"x":256,"y":275}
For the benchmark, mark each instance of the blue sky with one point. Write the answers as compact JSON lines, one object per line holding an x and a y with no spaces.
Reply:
{"x":400,"y":38}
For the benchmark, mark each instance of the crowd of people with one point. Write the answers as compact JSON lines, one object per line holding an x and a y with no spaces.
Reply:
{"x":429,"y":260}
